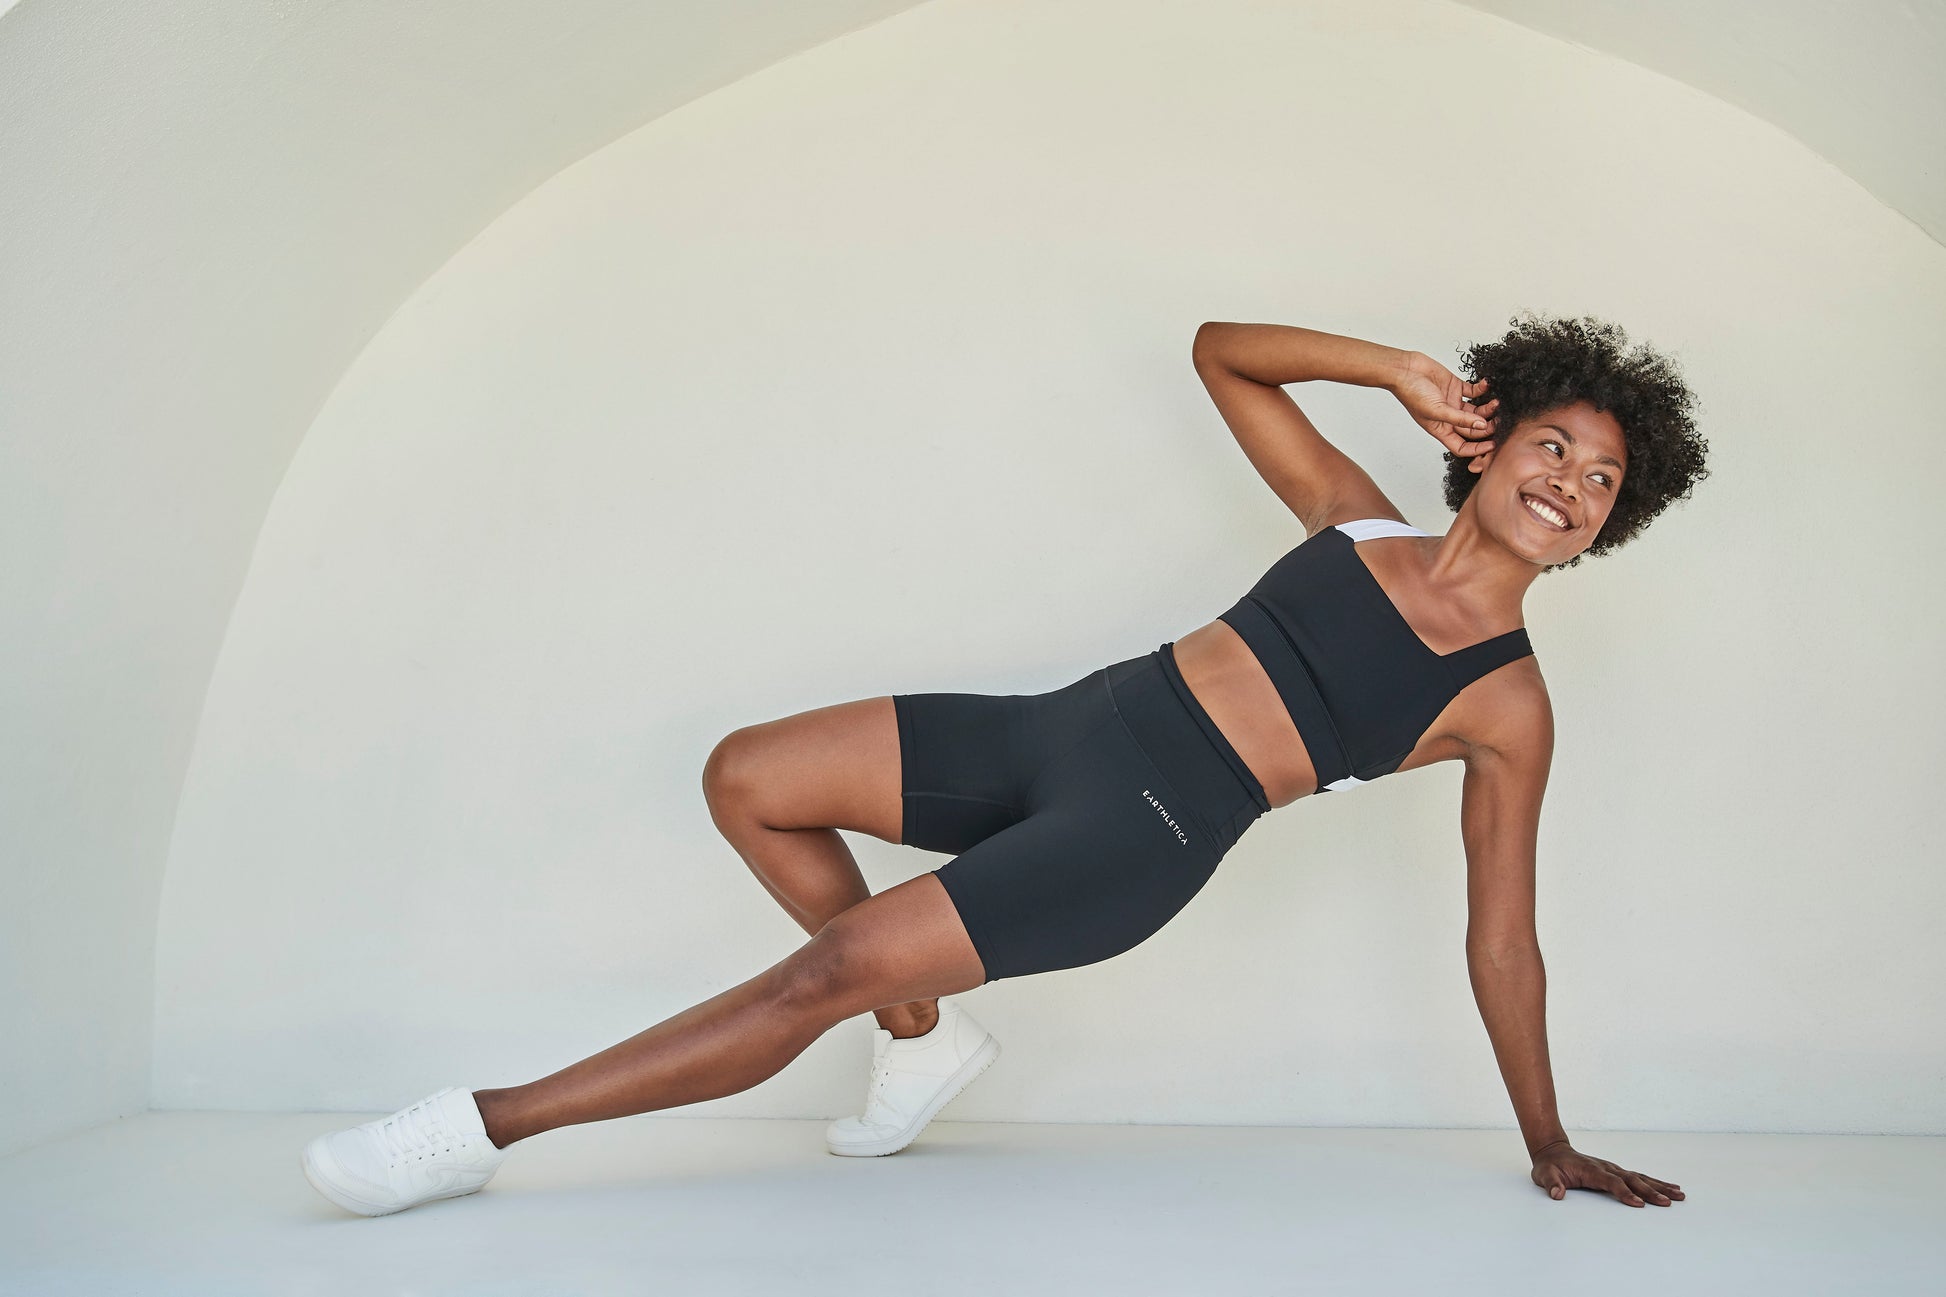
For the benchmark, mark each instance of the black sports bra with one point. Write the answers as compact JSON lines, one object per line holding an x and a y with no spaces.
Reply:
{"x":1357,"y":680}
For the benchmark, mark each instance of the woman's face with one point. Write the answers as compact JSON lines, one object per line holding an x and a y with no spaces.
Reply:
{"x":1568,"y":462}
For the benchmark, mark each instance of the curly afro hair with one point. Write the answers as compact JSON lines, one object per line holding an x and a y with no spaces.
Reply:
{"x":1543,"y":364}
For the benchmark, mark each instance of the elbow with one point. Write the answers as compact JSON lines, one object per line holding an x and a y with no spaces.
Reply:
{"x":1503,"y":951}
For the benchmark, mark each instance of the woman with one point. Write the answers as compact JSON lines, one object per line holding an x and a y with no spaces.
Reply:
{"x":1082,"y":819}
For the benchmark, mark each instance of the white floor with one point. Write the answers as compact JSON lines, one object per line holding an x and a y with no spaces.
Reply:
{"x":214,"y":1203}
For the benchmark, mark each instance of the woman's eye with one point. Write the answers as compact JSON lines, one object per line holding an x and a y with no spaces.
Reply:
{"x":1555,"y":446}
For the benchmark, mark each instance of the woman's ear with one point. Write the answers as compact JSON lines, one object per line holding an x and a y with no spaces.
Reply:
{"x":1478,"y":463}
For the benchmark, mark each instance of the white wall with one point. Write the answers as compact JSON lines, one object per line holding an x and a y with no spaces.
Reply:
{"x":869,"y":374}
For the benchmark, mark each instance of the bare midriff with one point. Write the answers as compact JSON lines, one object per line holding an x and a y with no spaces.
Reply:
{"x":1230,"y":683}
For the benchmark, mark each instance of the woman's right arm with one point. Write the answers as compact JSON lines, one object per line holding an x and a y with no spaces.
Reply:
{"x":1277,"y":354}
{"x":1245,"y":366}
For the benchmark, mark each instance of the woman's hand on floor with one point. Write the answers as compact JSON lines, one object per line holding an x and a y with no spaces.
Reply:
{"x":1436,"y":399}
{"x":1559,"y":1168}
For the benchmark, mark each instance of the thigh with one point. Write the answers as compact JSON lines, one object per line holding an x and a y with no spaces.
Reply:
{"x":964,"y":766}
{"x":1104,"y":860}
{"x":834,"y":767}
{"x":970,"y":763}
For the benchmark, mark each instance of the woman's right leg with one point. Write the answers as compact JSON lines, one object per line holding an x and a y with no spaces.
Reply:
{"x":779,"y":791}
{"x":907,"y":940}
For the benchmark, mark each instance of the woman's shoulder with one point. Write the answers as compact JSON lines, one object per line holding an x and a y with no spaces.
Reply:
{"x":1508,"y":711}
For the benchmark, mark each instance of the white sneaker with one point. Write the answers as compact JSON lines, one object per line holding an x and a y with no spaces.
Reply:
{"x":437,"y":1148}
{"x":912,"y":1079}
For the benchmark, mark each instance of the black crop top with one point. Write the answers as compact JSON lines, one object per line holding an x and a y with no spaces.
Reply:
{"x":1357,"y":680}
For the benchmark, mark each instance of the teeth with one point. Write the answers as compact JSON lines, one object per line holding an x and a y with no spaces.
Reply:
{"x":1554,"y":516}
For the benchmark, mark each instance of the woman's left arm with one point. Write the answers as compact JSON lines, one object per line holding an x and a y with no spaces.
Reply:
{"x":1500,"y":806}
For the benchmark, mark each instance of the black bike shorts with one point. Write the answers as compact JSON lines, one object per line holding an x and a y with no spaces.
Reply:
{"x":1080,"y":820}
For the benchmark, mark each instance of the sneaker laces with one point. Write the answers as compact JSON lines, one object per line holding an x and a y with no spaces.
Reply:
{"x":419,"y":1128}
{"x":881,"y":1073}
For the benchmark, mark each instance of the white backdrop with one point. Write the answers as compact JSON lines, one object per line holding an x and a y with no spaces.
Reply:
{"x":870,"y":374}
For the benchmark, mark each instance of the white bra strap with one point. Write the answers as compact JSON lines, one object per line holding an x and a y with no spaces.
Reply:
{"x":1373,"y":528}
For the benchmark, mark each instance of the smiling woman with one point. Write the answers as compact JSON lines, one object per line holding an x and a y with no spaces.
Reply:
{"x":1567,"y":377}
{"x":1373,"y":648}
{"x":1082,"y":819}
{"x":1587,"y":444}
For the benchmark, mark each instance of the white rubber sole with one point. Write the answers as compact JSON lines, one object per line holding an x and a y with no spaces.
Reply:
{"x":359,"y":1206}
{"x":982,"y":1059}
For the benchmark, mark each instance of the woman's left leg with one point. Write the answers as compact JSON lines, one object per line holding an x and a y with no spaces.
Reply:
{"x":906,"y":943}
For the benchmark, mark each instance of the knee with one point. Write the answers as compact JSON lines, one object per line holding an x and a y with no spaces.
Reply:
{"x":834,"y":974}
{"x":729,"y":775}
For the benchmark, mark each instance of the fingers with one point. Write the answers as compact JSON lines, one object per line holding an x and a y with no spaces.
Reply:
{"x":1461,"y":417}
{"x":1634,"y":1188}
{"x":1656,"y":1190}
{"x":1623,"y":1191}
{"x":1647,"y":1188}
{"x":1479,"y":417}
{"x":1460,"y":444}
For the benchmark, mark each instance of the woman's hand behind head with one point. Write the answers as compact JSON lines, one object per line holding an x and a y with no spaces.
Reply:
{"x":1437,"y":399}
